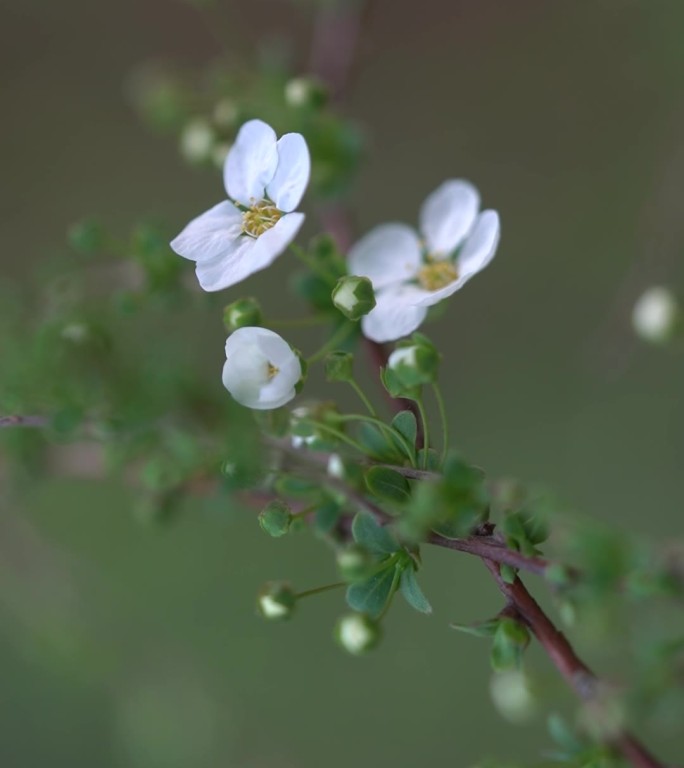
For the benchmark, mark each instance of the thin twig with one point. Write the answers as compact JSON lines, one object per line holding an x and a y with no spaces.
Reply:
{"x":24,"y":421}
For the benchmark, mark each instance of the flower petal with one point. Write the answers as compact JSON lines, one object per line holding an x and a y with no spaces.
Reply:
{"x":211,"y":234}
{"x":478,"y":250}
{"x":447,"y":215}
{"x":249,"y":255}
{"x":395,"y":315}
{"x":480,"y":247}
{"x":251,"y":162}
{"x":387,"y":255}
{"x":287,"y":186}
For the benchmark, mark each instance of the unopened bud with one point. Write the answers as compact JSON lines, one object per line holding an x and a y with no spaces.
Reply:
{"x":414,"y":364}
{"x":242,"y":313}
{"x":276,"y":601}
{"x":220,"y":153}
{"x":357,"y":633}
{"x":339,"y":366}
{"x":305,"y":92}
{"x":354,"y":296}
{"x":275,"y":518}
{"x":197,"y":141}
{"x":354,"y":563}
{"x":656,"y":315}
{"x":225,"y":114}
{"x":512,"y":695}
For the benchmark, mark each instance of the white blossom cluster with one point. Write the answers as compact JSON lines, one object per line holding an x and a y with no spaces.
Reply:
{"x":265,"y":178}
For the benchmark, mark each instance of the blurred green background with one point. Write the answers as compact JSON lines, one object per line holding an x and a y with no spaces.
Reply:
{"x":122,"y":646}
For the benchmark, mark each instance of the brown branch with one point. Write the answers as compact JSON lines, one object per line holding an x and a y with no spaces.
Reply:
{"x":575,"y":672}
{"x":24,"y":421}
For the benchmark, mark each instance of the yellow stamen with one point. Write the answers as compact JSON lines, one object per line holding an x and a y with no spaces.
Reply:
{"x":259,"y":218}
{"x":272,"y":371}
{"x":437,"y":274}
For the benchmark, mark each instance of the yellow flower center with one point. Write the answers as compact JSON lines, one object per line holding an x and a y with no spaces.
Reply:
{"x":272,"y":371}
{"x":437,"y":274}
{"x":259,"y":218}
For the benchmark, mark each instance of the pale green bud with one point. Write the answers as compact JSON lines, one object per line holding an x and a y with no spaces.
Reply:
{"x":242,"y":313}
{"x":276,"y":601}
{"x":305,"y":92}
{"x":357,"y":633}
{"x":275,"y":518}
{"x":513,"y":696}
{"x":197,"y":141}
{"x":339,"y":366}
{"x":656,"y":316}
{"x":414,"y":364}
{"x":354,"y":296}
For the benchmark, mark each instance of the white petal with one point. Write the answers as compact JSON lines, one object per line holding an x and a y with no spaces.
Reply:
{"x":287,"y":187}
{"x":211,"y":234}
{"x":480,"y":247}
{"x":387,"y":255}
{"x":447,"y":215}
{"x":478,"y":250}
{"x":249,"y":255}
{"x":250,"y":353}
{"x":395,"y":315}
{"x":251,"y":162}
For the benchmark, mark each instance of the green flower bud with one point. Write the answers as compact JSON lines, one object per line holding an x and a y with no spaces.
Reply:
{"x":354,"y":296}
{"x":276,"y":601}
{"x":339,"y":366}
{"x":513,"y":696}
{"x":414,"y":364}
{"x":357,"y":633}
{"x":354,"y":563}
{"x":275,"y":518}
{"x":242,"y":313}
{"x":305,"y":92}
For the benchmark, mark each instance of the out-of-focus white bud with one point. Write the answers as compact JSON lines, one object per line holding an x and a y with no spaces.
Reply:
{"x":197,"y":141}
{"x":512,"y":695}
{"x":357,"y":633}
{"x":656,"y":315}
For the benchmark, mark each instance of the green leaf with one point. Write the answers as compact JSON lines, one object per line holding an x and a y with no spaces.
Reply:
{"x":388,"y":484}
{"x":378,"y":445}
{"x":371,"y":596}
{"x":412,"y":592}
{"x":327,"y":516}
{"x":508,"y":573}
{"x":510,"y":640}
{"x":405,"y":424}
{"x":374,"y":537}
{"x":481,"y":629}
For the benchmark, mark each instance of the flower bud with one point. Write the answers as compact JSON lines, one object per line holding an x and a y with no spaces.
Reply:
{"x":242,"y":313}
{"x":336,"y":466}
{"x":339,"y":366}
{"x":220,"y":153}
{"x":276,"y":601}
{"x":512,"y":696}
{"x":357,"y":633}
{"x":656,"y":315}
{"x":305,"y":92}
{"x":414,"y":364}
{"x":354,"y":296}
{"x":354,"y":563}
{"x":197,"y":141}
{"x":275,"y":518}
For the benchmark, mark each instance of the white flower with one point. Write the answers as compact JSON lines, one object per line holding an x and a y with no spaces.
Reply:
{"x":265,"y":179}
{"x":261,"y":370}
{"x":656,"y":315}
{"x":411,"y":272}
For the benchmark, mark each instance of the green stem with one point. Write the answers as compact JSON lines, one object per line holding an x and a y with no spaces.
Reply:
{"x":426,"y":431}
{"x":318,"y":590}
{"x":319,"y":425}
{"x":410,"y":452}
{"x":443,"y":418}
{"x":335,"y":340}
{"x":357,"y":388}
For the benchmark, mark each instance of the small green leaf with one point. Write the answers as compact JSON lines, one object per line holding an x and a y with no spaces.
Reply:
{"x":510,"y":640}
{"x":327,"y":516}
{"x":412,"y":592}
{"x":371,"y":596}
{"x":388,"y":484}
{"x":508,"y":573}
{"x":405,"y":424}
{"x":481,"y":629}
{"x":374,"y":537}
{"x":378,"y":445}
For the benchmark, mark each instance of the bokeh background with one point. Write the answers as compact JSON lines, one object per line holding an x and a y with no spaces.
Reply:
{"x":124,"y":646}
